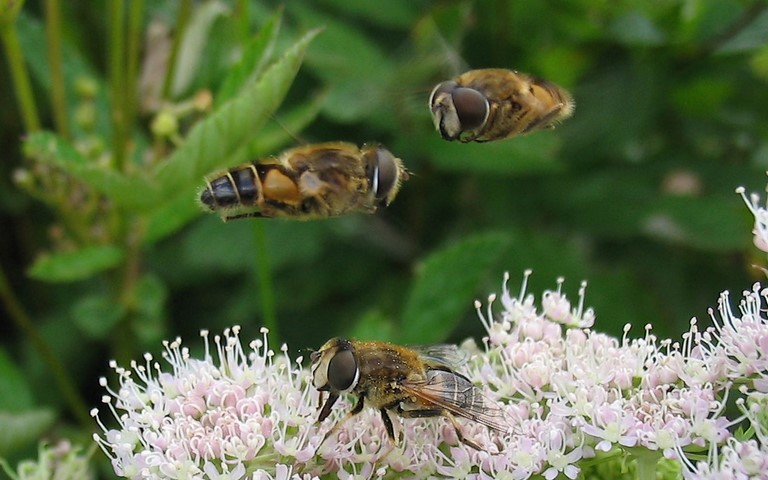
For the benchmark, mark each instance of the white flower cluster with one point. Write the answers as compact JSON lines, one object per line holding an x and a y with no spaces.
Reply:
{"x":570,"y":394}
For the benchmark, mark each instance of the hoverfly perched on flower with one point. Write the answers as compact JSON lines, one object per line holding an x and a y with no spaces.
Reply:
{"x":412,"y":382}
{"x":494,"y":103}
{"x":312,"y":181}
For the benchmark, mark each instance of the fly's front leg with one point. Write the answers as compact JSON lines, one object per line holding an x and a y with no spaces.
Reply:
{"x":357,"y":409}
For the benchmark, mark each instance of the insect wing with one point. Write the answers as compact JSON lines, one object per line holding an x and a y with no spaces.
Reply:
{"x":459,"y":396}
{"x":449,"y":356}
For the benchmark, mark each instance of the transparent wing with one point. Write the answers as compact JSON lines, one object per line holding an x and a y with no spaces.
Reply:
{"x":459,"y":396}
{"x":449,"y":356}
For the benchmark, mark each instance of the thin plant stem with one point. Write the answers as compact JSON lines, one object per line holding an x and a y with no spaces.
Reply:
{"x":130,"y":99}
{"x":117,"y":80}
{"x":21,"y":83}
{"x":62,"y":378}
{"x":264,"y":278}
{"x":185,"y":10}
{"x":53,"y":41}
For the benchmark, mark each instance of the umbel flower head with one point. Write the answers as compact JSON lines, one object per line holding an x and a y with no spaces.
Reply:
{"x":571,"y":395}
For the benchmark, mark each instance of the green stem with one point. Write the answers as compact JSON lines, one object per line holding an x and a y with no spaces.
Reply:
{"x":185,"y":11}
{"x":117,"y":80}
{"x":20,"y":76}
{"x":264,"y":277}
{"x":63,"y":380}
{"x":124,"y":344}
{"x":53,"y":41}
{"x":647,"y":461}
{"x":130,"y":101}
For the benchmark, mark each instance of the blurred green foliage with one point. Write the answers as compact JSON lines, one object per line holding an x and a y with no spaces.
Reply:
{"x":104,"y":251}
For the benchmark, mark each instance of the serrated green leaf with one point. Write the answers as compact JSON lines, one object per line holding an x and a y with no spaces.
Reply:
{"x":254,"y":59}
{"x":230,"y":127}
{"x":96,"y":315}
{"x":22,"y":429}
{"x":16,"y":394}
{"x":446,"y":286}
{"x":50,"y":149}
{"x":77,"y":265}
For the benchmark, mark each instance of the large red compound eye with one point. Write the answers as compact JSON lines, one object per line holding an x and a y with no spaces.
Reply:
{"x":471,"y":107}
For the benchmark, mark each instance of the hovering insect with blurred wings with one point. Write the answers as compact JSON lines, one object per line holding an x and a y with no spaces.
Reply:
{"x":413,"y":382}
{"x":312,"y":181}
{"x":494,"y":103}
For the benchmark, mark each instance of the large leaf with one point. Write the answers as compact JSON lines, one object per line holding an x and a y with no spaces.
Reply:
{"x":76,"y":265}
{"x":447,"y":286}
{"x":222,"y":133}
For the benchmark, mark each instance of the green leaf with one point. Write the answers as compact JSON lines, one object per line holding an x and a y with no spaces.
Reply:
{"x":22,"y":429}
{"x":230,"y":127}
{"x":447,"y":284}
{"x":96,"y":315}
{"x":77,"y":265}
{"x":16,"y":394}
{"x":170,"y":217}
{"x":254,"y":59}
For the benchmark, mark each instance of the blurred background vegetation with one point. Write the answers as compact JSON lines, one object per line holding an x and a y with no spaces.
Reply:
{"x":112,"y":113}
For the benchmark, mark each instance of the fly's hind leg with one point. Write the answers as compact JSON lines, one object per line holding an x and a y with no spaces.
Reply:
{"x":438,"y":412}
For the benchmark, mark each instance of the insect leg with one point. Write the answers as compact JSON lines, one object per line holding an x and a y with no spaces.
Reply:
{"x":245,"y":215}
{"x":357,"y":409}
{"x":326,"y":410}
{"x":388,"y":424}
{"x":438,"y":412}
{"x":544,"y":121}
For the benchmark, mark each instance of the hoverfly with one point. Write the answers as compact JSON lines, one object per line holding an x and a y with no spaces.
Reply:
{"x":494,"y":103}
{"x":413,"y":382}
{"x":312,"y":181}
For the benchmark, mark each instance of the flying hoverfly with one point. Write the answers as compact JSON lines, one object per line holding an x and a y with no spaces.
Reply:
{"x":495,"y":103}
{"x":412,"y":382}
{"x":312,"y":181}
